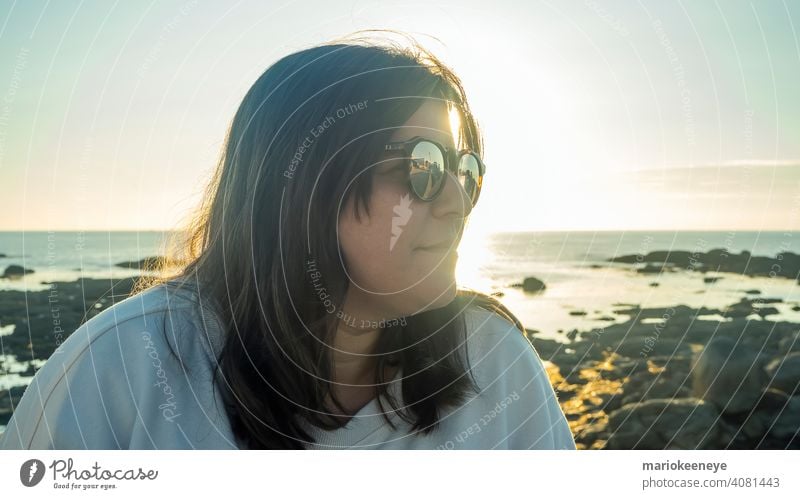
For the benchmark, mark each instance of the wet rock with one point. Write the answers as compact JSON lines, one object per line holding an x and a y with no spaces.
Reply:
{"x":650,"y":345}
{"x":14,"y":271}
{"x":9,"y":399}
{"x":790,"y":343}
{"x":787,"y":423}
{"x":630,"y":367}
{"x":545,"y":347}
{"x":776,"y":414}
{"x":784,"y":373}
{"x":685,"y":423}
{"x":746,"y":307}
{"x":605,"y":318}
{"x":530,"y":285}
{"x":720,"y":260}
{"x":591,"y":433}
{"x":652,"y":269}
{"x":729,"y":375}
{"x":660,"y":386}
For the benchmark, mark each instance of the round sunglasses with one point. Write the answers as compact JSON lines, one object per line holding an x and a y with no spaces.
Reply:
{"x":428,"y":161}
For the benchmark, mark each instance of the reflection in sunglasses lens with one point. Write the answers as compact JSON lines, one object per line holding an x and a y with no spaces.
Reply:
{"x":469,"y":174}
{"x":427,"y":169}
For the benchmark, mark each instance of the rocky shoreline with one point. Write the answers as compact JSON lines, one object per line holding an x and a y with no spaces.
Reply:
{"x":784,"y":264}
{"x":666,"y":379}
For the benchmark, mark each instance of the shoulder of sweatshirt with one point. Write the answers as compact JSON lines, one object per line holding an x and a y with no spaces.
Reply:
{"x":159,"y":318}
{"x":496,"y":343}
{"x":508,"y":368}
{"x":137,"y":375}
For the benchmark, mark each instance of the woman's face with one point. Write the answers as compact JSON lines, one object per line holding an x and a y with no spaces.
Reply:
{"x":393,"y":269}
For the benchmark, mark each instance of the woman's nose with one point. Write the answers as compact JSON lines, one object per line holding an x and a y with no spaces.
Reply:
{"x":453,"y":200}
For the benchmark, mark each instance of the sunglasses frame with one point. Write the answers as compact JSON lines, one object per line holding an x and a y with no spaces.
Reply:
{"x":451,"y":160}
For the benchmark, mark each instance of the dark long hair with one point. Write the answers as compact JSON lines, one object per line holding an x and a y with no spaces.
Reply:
{"x":263,"y":244}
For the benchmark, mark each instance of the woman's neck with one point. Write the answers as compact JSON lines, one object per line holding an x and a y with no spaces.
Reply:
{"x":353,"y":356}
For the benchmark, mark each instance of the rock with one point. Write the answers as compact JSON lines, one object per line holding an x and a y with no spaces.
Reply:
{"x":662,"y":346}
{"x":746,"y":306}
{"x":685,"y":423}
{"x":718,"y":260}
{"x":765,"y":311}
{"x":741,"y":309}
{"x":631,"y":367}
{"x":577,"y":312}
{"x":13,"y":271}
{"x":729,"y":375}
{"x":784,"y":373}
{"x":789,"y":344}
{"x":605,"y":318}
{"x":753,"y":292}
{"x":654,"y":284}
{"x":8,"y":399}
{"x":610,"y":402}
{"x":651,"y":269}
{"x":532,"y":285}
{"x":545,"y":347}
{"x":701,"y":331}
{"x":591,"y":433}
{"x":566,"y":393}
{"x":776,"y":414}
{"x":756,"y":424}
{"x":711,"y":280}
{"x":662,"y":387}
{"x":788,"y":421}
{"x":674,"y":364}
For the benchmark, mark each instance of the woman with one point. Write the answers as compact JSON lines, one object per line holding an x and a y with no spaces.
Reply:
{"x":318,"y":306}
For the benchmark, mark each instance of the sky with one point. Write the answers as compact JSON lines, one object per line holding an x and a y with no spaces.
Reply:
{"x":597,"y":115}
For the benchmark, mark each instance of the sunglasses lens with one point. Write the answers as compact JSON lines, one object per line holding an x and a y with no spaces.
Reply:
{"x":469,"y":175}
{"x":427,"y":169}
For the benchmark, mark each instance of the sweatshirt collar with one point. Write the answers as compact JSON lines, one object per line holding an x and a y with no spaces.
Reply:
{"x":368,"y":420}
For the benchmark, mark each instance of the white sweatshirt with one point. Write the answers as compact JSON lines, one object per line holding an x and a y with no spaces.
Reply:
{"x":114,"y":384}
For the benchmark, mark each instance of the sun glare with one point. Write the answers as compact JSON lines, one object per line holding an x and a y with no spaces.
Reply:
{"x":455,"y":124}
